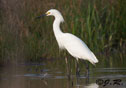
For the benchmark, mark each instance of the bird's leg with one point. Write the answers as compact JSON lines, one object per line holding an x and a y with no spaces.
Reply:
{"x":68,"y":71}
{"x":87,"y":69}
{"x":77,"y":68}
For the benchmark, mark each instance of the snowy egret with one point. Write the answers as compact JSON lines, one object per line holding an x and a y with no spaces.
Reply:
{"x":75,"y":46}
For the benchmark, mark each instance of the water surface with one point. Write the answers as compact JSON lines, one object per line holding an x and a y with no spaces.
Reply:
{"x":57,"y":74}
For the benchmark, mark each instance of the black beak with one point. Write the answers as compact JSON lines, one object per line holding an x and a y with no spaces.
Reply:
{"x":40,"y":16}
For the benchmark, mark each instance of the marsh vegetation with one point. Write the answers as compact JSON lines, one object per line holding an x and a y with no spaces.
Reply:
{"x":100,"y":24}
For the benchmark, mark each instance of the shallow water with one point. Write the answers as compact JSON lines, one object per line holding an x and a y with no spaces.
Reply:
{"x":57,"y":74}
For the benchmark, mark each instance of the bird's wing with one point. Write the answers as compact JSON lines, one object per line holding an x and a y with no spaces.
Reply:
{"x":74,"y":42}
{"x":77,"y":48}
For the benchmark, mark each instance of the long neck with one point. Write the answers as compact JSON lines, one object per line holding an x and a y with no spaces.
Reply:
{"x":56,"y":27}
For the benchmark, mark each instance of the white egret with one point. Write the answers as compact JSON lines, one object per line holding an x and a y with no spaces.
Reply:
{"x":75,"y":46}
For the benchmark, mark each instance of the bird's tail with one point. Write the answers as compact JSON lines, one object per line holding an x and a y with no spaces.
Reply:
{"x":93,"y":60}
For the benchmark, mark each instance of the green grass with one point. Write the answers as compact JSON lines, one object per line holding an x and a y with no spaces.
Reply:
{"x":100,"y":24}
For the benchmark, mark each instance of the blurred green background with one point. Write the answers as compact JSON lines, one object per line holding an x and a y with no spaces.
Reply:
{"x":101,"y":24}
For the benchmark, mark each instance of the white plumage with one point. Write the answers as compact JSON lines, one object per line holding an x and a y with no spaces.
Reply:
{"x":75,"y":46}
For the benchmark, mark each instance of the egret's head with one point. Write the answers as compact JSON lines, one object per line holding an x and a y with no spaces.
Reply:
{"x":52,"y":12}
{"x":55,"y":13}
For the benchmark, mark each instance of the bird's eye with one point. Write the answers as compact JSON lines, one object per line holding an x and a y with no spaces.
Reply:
{"x":48,"y":13}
